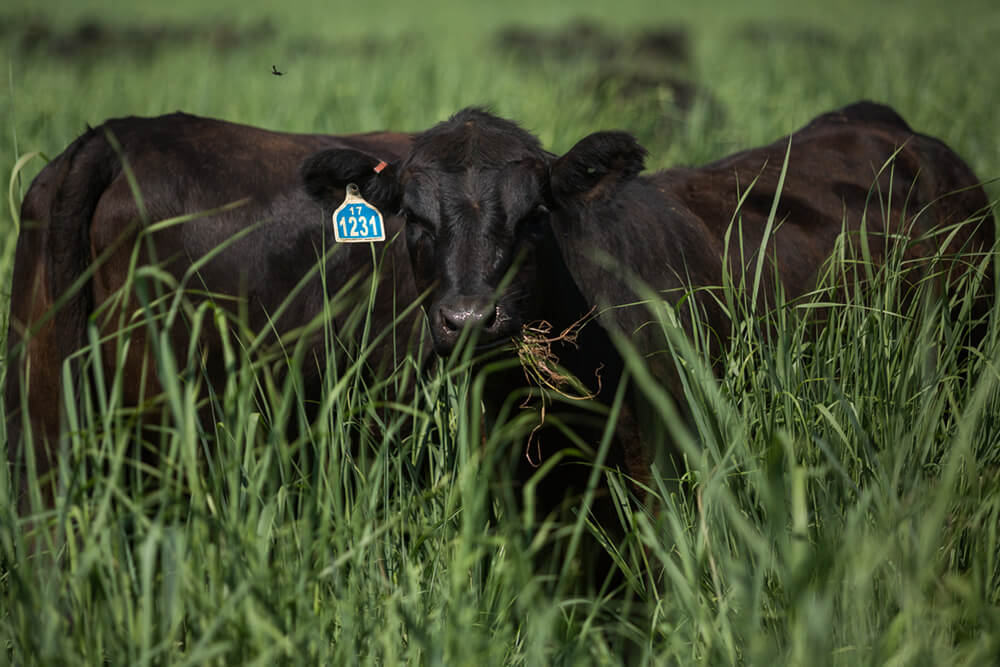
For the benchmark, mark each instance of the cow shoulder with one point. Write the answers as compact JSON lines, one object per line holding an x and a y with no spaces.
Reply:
{"x":595,"y":168}
{"x":325,"y":175}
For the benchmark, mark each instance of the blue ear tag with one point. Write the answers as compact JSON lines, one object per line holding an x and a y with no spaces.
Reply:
{"x":356,"y":220}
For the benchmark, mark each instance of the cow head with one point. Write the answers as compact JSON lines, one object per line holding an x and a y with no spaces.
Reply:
{"x":472,"y":191}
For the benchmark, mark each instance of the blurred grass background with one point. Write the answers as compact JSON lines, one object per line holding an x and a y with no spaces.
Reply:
{"x":845,"y":509}
{"x":768,"y":66}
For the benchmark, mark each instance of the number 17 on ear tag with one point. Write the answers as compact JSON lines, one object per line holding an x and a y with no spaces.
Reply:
{"x":356,"y":220}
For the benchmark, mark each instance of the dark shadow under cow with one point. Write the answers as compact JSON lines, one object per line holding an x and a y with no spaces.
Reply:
{"x":503,"y":234}
{"x":252,"y":246}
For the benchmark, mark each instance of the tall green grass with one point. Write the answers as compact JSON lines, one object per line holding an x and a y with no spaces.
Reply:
{"x":838,"y":502}
{"x":838,"y":498}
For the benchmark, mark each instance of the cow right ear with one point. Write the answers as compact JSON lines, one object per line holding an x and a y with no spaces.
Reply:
{"x":325,"y":176}
{"x":595,"y":167}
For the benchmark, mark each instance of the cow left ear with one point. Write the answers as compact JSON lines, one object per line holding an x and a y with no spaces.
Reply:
{"x":326,"y":174}
{"x":596,"y":166}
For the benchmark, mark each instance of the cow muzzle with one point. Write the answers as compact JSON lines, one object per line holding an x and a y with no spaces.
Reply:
{"x":478,"y":314}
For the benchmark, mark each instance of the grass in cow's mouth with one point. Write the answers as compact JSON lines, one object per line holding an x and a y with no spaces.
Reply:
{"x":541,"y":369}
{"x":541,"y":363}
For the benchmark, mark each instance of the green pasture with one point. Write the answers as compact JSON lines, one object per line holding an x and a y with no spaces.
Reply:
{"x":839,"y":502}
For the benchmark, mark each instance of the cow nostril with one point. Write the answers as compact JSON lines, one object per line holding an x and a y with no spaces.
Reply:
{"x":452,"y":319}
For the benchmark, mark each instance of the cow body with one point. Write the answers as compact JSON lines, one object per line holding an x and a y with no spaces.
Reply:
{"x":861,"y":166}
{"x":82,"y":229}
{"x":504,"y":234}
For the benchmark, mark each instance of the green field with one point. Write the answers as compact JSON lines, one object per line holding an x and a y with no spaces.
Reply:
{"x":841,"y":497}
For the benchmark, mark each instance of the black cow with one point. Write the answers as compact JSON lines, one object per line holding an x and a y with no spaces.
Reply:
{"x":504,"y":233}
{"x":80,"y":215}
{"x":474,"y":193}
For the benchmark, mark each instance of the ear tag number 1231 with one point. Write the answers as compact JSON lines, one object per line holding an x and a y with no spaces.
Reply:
{"x":356,"y":220}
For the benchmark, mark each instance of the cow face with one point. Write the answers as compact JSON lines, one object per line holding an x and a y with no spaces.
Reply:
{"x":472,"y":192}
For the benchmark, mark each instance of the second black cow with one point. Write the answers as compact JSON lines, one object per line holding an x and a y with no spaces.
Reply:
{"x":211,"y":211}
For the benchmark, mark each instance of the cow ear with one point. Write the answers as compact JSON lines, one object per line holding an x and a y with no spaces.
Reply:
{"x":596,"y":166}
{"x":326,"y":174}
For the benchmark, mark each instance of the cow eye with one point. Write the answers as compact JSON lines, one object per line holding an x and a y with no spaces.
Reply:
{"x":535,"y":220}
{"x":414,"y":223}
